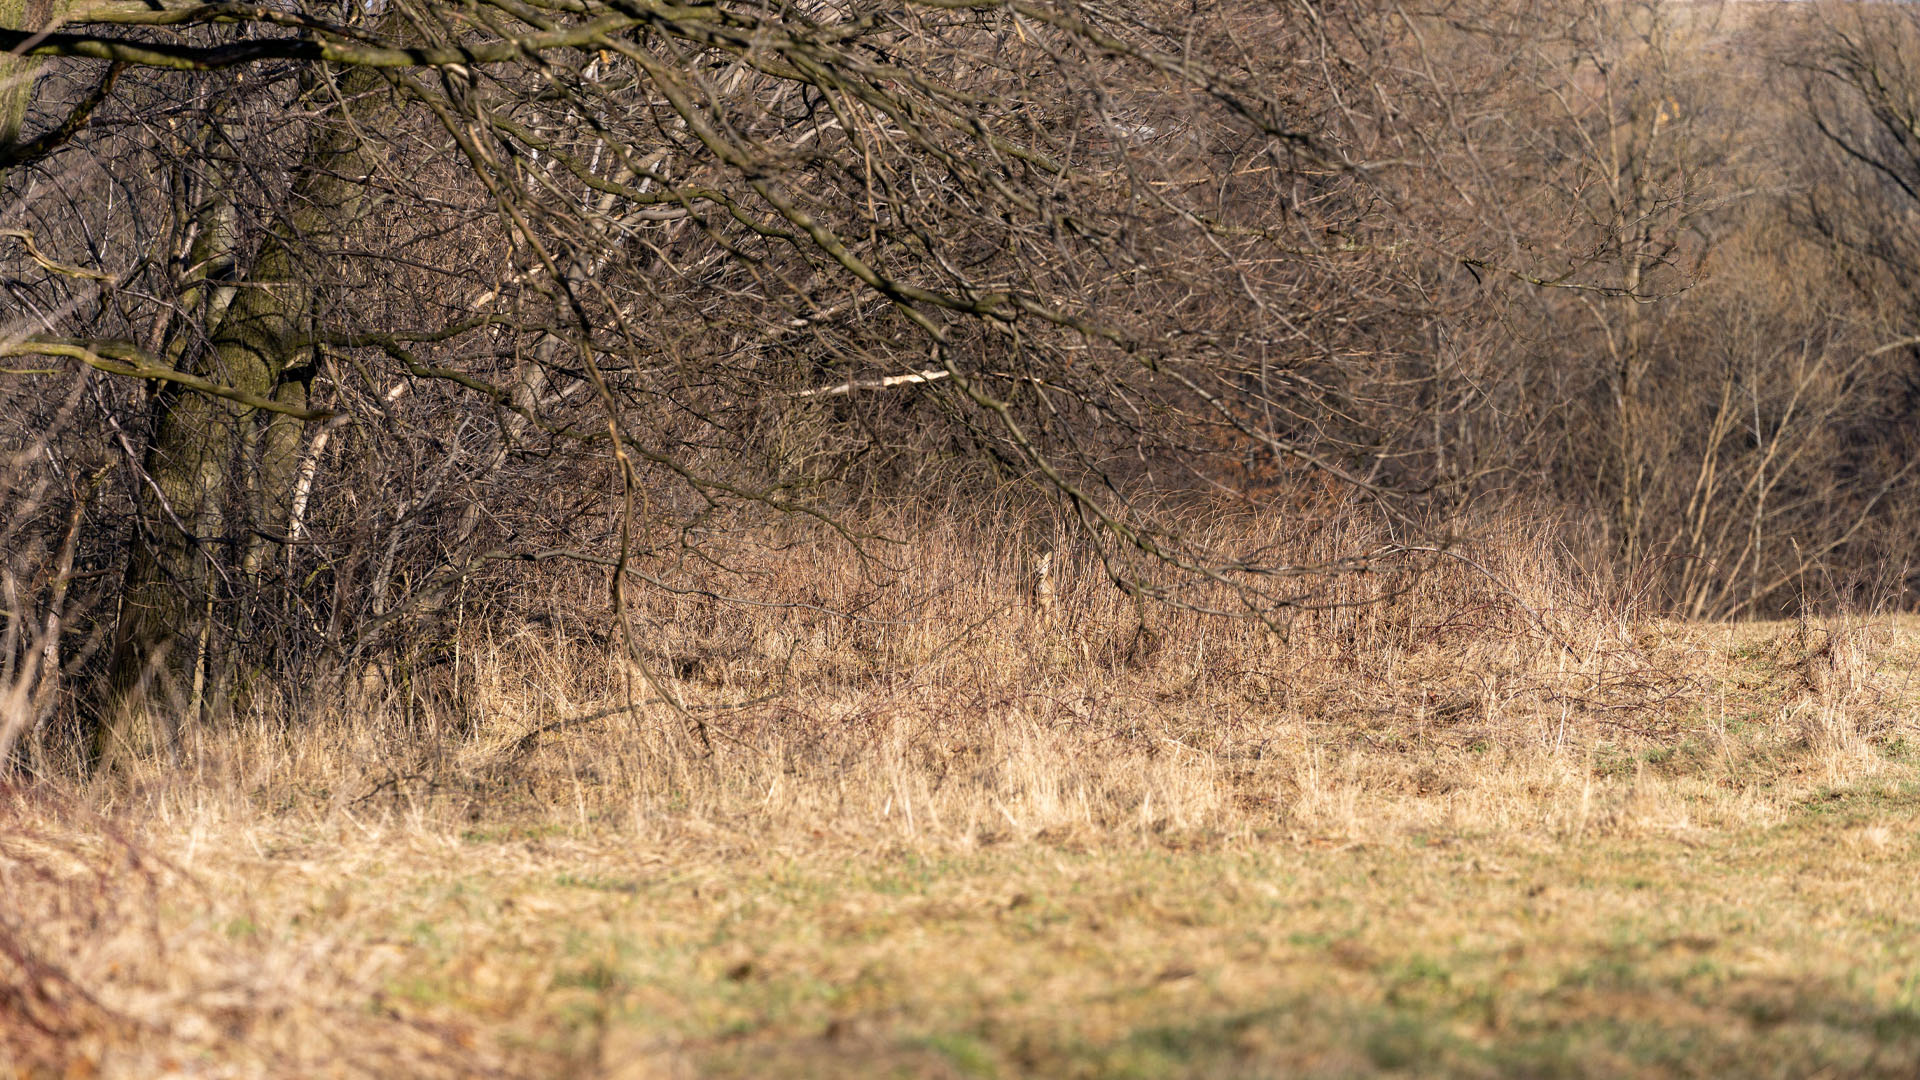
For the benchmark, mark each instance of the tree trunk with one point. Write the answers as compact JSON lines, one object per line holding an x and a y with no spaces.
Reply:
{"x":226,"y":472}
{"x":17,"y":72}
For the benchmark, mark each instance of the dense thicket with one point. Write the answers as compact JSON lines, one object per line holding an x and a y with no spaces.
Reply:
{"x":329,"y":326}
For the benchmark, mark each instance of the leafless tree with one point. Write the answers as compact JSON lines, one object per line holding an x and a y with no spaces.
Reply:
{"x":733,"y":253}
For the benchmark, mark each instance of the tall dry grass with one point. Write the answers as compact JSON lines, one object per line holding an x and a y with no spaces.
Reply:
{"x":931,"y":697}
{"x":928,"y":689}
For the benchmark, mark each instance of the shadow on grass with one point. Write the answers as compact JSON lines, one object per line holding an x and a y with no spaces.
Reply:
{"x":1748,"y":1028}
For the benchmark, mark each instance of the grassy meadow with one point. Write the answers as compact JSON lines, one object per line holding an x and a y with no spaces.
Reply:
{"x":1491,"y":827}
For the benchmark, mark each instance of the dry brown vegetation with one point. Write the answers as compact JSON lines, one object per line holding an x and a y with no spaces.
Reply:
{"x":1495,"y":825}
{"x":618,"y":538}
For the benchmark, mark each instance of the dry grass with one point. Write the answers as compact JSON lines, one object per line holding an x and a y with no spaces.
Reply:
{"x":1496,"y":826}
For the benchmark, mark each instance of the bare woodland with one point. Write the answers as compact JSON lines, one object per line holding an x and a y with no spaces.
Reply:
{"x":639,"y":538}
{"x":338,"y":336}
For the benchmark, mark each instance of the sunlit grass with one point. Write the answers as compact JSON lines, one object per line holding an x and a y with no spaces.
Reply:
{"x":1682,"y":851}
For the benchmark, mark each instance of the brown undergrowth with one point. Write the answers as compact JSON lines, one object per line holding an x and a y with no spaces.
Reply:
{"x":791,"y":704}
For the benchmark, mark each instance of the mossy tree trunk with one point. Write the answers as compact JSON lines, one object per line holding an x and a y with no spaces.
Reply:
{"x":224,"y":472}
{"x":16,"y":72}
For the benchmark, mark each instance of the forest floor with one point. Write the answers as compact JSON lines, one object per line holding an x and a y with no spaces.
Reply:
{"x":1725,"y":888}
